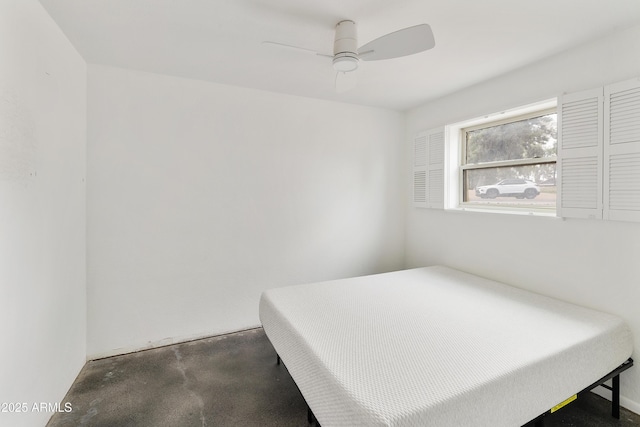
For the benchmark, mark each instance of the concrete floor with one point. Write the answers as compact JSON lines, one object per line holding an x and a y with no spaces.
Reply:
{"x":231,"y":380}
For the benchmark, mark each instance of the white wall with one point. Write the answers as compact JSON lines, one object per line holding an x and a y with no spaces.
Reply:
{"x":42,"y":211}
{"x":589,"y":262}
{"x":202,"y":195}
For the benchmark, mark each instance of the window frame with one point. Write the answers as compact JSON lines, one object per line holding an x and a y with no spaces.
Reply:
{"x":459,"y":165}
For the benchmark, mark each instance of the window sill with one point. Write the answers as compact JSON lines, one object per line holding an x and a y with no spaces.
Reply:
{"x":546,"y":213}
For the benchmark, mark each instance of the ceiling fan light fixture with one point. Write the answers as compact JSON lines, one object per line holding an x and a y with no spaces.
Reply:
{"x":345,"y":62}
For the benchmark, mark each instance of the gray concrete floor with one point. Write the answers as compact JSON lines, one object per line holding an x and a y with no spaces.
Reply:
{"x":231,"y":380}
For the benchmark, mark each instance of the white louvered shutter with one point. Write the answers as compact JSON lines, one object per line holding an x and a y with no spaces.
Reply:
{"x":580,"y":149}
{"x":622,"y":151}
{"x":420,"y":170}
{"x":435,"y":168}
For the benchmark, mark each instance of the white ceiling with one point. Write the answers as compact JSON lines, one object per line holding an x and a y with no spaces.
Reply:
{"x":221,"y":40}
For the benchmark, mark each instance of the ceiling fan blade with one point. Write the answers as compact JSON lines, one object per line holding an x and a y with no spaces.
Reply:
{"x":296,"y":48}
{"x":399,"y":43}
{"x":345,"y":81}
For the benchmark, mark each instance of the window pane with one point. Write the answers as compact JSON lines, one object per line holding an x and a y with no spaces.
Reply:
{"x":519,"y":186}
{"x":531,"y":138}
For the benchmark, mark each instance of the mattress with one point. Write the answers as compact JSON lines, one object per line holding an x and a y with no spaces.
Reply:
{"x":436,"y":347}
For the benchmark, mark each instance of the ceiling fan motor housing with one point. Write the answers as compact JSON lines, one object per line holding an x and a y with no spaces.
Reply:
{"x":345,"y":47}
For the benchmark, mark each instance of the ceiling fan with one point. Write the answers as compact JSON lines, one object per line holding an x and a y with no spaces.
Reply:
{"x":347,"y":56}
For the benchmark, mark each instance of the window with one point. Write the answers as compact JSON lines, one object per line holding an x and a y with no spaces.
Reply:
{"x":587,"y":142}
{"x":509,"y":163}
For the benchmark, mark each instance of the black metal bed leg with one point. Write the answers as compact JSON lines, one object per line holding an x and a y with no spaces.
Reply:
{"x":311,"y":418}
{"x":615,"y":397}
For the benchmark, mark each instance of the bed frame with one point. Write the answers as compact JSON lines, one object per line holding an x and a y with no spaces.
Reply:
{"x":614,"y":376}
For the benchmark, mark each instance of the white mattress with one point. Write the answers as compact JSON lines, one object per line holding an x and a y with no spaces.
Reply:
{"x":436,"y":347}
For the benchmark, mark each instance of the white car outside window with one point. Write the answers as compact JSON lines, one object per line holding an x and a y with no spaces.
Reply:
{"x":519,"y":188}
